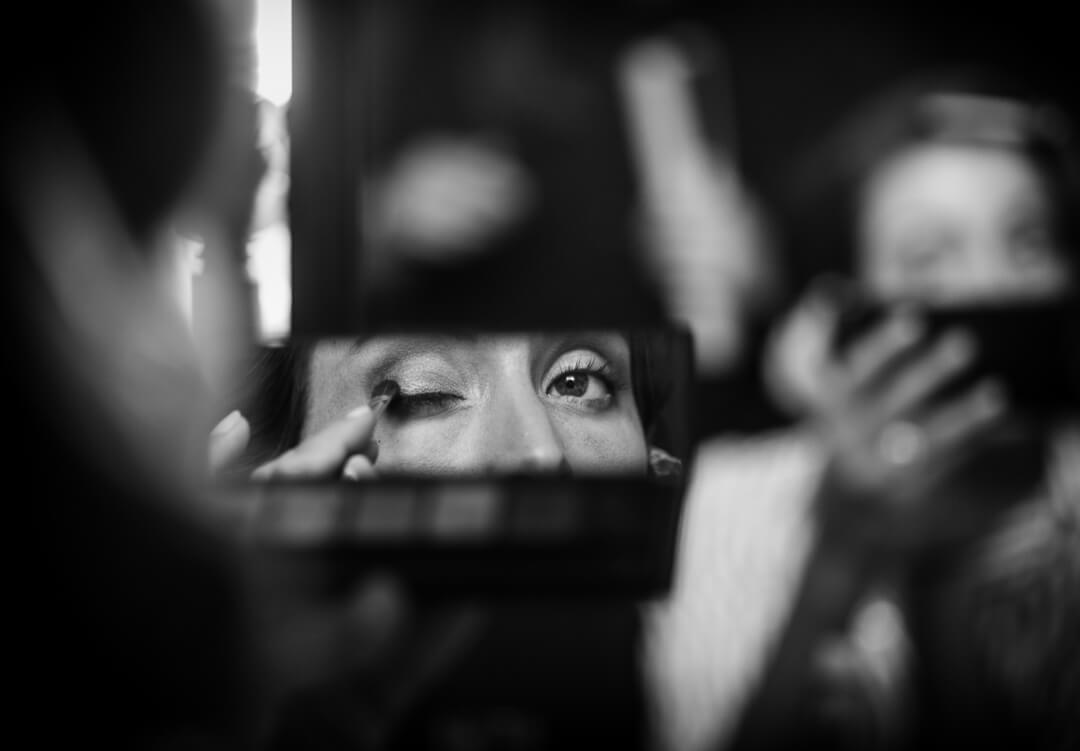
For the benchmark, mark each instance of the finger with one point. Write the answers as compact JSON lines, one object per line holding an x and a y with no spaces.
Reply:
{"x":358,"y":467}
{"x":228,"y":440}
{"x":324,"y":454}
{"x":957,"y":425}
{"x":798,"y":356}
{"x":874,"y":353}
{"x":915,"y":382}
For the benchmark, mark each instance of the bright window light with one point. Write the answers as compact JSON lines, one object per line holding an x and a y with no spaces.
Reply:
{"x":273,"y":50}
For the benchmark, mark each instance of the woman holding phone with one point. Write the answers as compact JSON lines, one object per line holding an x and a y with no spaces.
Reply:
{"x":894,"y":565}
{"x":946,"y":514}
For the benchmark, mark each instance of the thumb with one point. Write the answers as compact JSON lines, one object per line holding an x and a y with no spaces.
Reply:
{"x":798,"y":354}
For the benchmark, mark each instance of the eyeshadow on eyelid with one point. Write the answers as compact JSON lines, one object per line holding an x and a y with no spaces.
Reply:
{"x":413,"y":381}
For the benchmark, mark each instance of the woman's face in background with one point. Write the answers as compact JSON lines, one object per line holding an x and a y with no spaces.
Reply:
{"x":499,"y":404}
{"x":953,"y":223}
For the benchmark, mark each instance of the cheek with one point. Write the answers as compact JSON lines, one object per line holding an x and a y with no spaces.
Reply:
{"x":333,"y":390}
{"x":607,"y":444}
{"x":422,"y":447}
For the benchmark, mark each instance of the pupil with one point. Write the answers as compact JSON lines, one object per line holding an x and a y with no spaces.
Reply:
{"x":572,"y":385}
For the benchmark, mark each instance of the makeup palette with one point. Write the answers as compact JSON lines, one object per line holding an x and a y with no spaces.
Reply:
{"x":513,"y":536}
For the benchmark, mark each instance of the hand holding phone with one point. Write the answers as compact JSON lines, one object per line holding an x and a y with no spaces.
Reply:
{"x":1031,"y":349}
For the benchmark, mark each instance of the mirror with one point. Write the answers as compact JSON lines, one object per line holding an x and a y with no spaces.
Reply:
{"x":558,"y":455}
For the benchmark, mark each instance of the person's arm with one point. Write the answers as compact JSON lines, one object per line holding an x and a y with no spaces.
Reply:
{"x":791,"y":705}
{"x":890,"y":447}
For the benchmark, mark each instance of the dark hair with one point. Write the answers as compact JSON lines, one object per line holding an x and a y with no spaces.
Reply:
{"x":656,"y":369}
{"x":963,"y":105}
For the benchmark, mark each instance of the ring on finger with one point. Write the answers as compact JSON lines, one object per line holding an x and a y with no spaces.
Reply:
{"x":901,"y":443}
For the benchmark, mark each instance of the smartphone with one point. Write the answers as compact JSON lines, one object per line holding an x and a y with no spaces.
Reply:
{"x":1031,"y":348}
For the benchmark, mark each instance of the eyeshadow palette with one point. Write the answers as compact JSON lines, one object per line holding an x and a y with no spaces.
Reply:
{"x":508,"y":537}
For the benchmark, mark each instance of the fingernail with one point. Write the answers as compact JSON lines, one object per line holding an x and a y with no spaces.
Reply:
{"x":350,"y":472}
{"x":360,"y":411}
{"x":228,"y":423}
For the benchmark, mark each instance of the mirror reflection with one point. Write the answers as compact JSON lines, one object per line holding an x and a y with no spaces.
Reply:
{"x":462,"y":404}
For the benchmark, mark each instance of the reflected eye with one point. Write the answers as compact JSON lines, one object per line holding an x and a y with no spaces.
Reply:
{"x":422,"y":404}
{"x":579,"y":384}
{"x":583,"y":382}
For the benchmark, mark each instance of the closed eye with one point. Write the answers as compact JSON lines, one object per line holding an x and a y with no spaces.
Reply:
{"x":422,"y":404}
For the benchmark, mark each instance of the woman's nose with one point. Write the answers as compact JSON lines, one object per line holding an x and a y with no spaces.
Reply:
{"x":520,"y":437}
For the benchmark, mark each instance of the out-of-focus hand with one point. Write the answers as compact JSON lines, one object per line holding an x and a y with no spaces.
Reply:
{"x":876,"y":404}
{"x":876,"y":408}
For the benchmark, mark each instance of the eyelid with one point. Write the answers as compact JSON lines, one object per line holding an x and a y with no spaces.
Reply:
{"x":422,"y":380}
{"x":583,"y":361}
{"x":423,"y":404}
{"x":597,"y":367}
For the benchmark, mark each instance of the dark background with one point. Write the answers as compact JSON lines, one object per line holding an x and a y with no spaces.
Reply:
{"x":796,"y":67}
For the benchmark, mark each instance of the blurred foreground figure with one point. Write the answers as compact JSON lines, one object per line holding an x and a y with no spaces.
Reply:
{"x":907,"y":557}
{"x":133,"y":625}
{"x":141,"y":623}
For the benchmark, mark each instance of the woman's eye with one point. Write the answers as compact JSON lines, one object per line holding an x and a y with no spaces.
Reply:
{"x":580,"y":385}
{"x":422,"y":404}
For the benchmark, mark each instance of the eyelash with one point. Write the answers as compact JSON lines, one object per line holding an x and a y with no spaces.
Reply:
{"x":414,"y":405}
{"x":589,"y":365}
{"x":419,"y":404}
{"x":592,"y":367}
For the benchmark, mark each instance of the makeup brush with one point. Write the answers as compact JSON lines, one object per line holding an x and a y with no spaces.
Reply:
{"x":384,"y":393}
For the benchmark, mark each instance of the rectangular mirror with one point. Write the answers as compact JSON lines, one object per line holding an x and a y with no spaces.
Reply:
{"x":496,"y":463}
